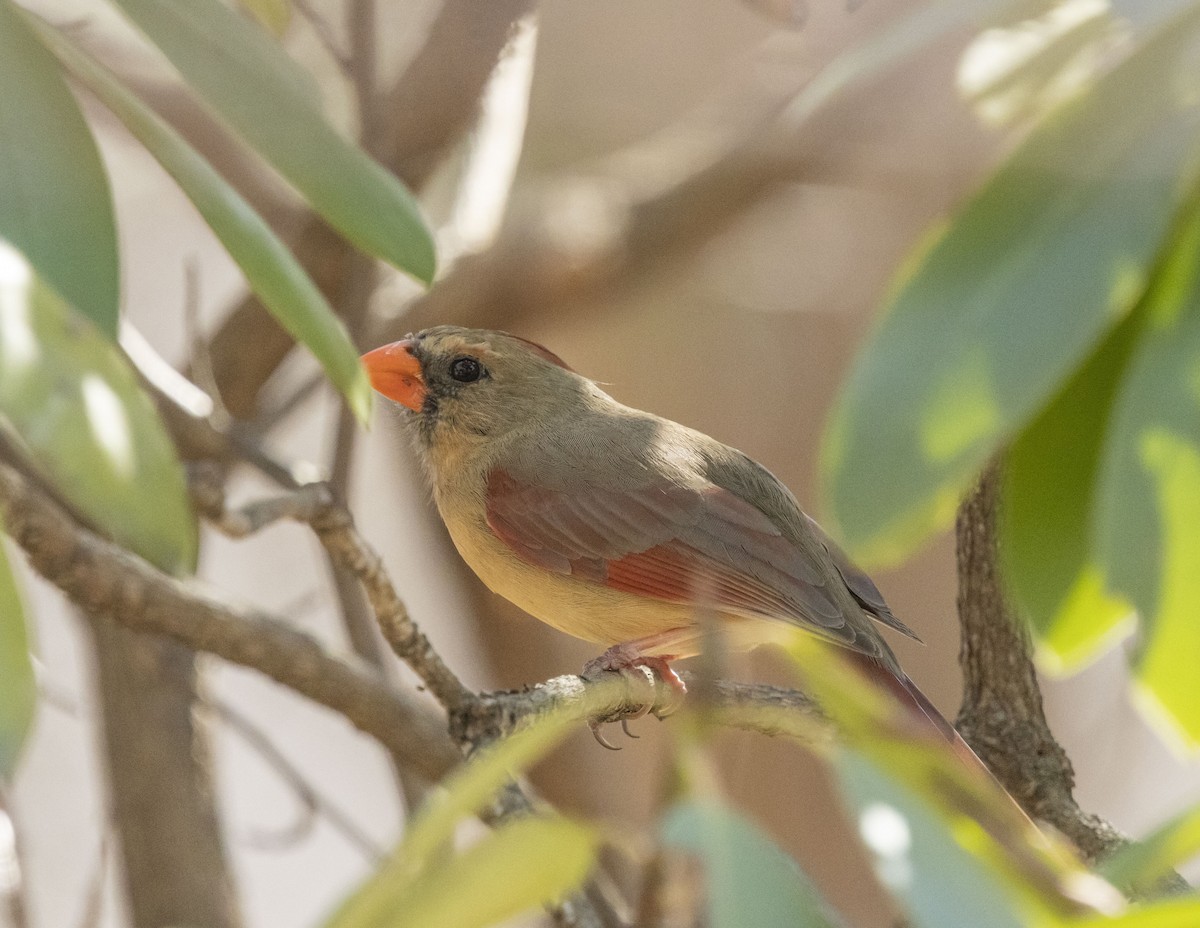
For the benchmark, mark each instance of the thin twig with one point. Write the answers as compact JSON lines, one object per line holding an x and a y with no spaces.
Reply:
{"x":312,"y":802}
{"x":324,"y":33}
{"x":93,"y":905}
{"x":315,"y":505}
{"x":201,"y":358}
{"x":267,"y":420}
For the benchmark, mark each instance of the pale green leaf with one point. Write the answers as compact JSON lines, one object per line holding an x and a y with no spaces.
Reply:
{"x":1141,"y":864}
{"x":1008,"y":300}
{"x":273,"y":14}
{"x":750,"y":881}
{"x":54,"y":198}
{"x":73,"y":405}
{"x":1148,"y":511}
{"x":468,"y":789}
{"x":249,"y":81}
{"x":463,"y":793}
{"x":1046,"y":519}
{"x":1174,"y":913}
{"x":18,"y":692}
{"x":271,"y":270}
{"x":1039,"y":875}
{"x":937,"y":881}
{"x":528,"y":863}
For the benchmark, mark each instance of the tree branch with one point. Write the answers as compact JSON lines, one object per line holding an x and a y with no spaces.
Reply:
{"x":110,"y":584}
{"x":315,"y":505}
{"x":1002,"y":718}
{"x":612,"y":697}
{"x":160,"y":783}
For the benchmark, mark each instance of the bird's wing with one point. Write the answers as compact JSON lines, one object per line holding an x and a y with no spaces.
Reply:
{"x":861,"y":586}
{"x":679,"y":543}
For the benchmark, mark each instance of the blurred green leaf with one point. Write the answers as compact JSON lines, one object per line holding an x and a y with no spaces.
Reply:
{"x":246,"y":77}
{"x":1007,"y":300}
{"x":463,"y":793}
{"x":1148,"y":509}
{"x":750,"y":880}
{"x":939,"y":884}
{"x":1039,"y":874}
{"x":54,"y":198}
{"x":273,"y":273}
{"x":18,"y":692}
{"x":530,"y":862}
{"x":74,"y":407}
{"x":1175,"y":913}
{"x":1142,"y":864}
{"x":273,"y":14}
{"x":468,"y":789}
{"x":1047,"y":516}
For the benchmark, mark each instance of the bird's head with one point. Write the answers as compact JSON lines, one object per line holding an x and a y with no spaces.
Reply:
{"x":468,"y":386}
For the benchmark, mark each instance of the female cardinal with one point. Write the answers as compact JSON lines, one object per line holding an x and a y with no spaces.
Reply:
{"x":615,"y":525}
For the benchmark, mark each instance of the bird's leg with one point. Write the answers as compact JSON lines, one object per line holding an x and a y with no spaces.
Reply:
{"x":623,"y":658}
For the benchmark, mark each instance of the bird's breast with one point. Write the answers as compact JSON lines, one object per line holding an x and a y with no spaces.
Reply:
{"x":582,"y":608}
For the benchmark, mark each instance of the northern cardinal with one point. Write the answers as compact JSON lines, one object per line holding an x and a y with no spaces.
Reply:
{"x":615,"y":525}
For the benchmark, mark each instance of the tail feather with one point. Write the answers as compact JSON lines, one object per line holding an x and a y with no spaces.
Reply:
{"x":908,"y":694}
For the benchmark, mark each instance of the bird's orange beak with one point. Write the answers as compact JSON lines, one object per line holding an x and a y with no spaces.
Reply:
{"x":396,"y":374}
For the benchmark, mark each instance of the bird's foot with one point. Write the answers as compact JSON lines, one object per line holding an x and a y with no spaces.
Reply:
{"x":627,"y":660}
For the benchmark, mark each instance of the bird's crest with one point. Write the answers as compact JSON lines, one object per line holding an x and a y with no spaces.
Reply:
{"x":542,"y":352}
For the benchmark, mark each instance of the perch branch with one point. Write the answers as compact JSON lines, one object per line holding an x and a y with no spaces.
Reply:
{"x":612,"y":697}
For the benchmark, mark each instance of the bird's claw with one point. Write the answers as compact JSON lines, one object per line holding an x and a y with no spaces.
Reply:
{"x":594,"y":727}
{"x":638,"y":670}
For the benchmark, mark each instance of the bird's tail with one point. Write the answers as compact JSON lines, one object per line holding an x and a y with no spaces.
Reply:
{"x":908,"y":694}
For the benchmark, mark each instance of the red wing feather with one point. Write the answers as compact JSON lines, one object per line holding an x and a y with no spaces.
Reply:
{"x":665,"y":541}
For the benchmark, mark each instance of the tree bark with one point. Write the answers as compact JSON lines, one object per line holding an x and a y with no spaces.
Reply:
{"x":175,"y":867}
{"x":1002,"y":718}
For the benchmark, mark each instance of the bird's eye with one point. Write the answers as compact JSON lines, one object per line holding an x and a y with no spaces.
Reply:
{"x":466,"y":370}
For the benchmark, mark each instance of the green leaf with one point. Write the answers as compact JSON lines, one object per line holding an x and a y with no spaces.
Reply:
{"x":1140,"y":865}
{"x":18,"y":692}
{"x":918,"y":859}
{"x":273,"y":273}
{"x":250,"y":82}
{"x":54,"y":198}
{"x":469,"y":788}
{"x":750,"y":880}
{"x":75,"y":409}
{"x":528,"y":863}
{"x":1039,"y":874}
{"x":463,"y":793}
{"x":1148,"y":510}
{"x":1009,"y":299}
{"x":1046,"y":519}
{"x":1175,"y":913}
{"x":275,"y":15}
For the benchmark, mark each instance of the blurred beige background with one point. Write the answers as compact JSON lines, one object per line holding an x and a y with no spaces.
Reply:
{"x":748,"y":340}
